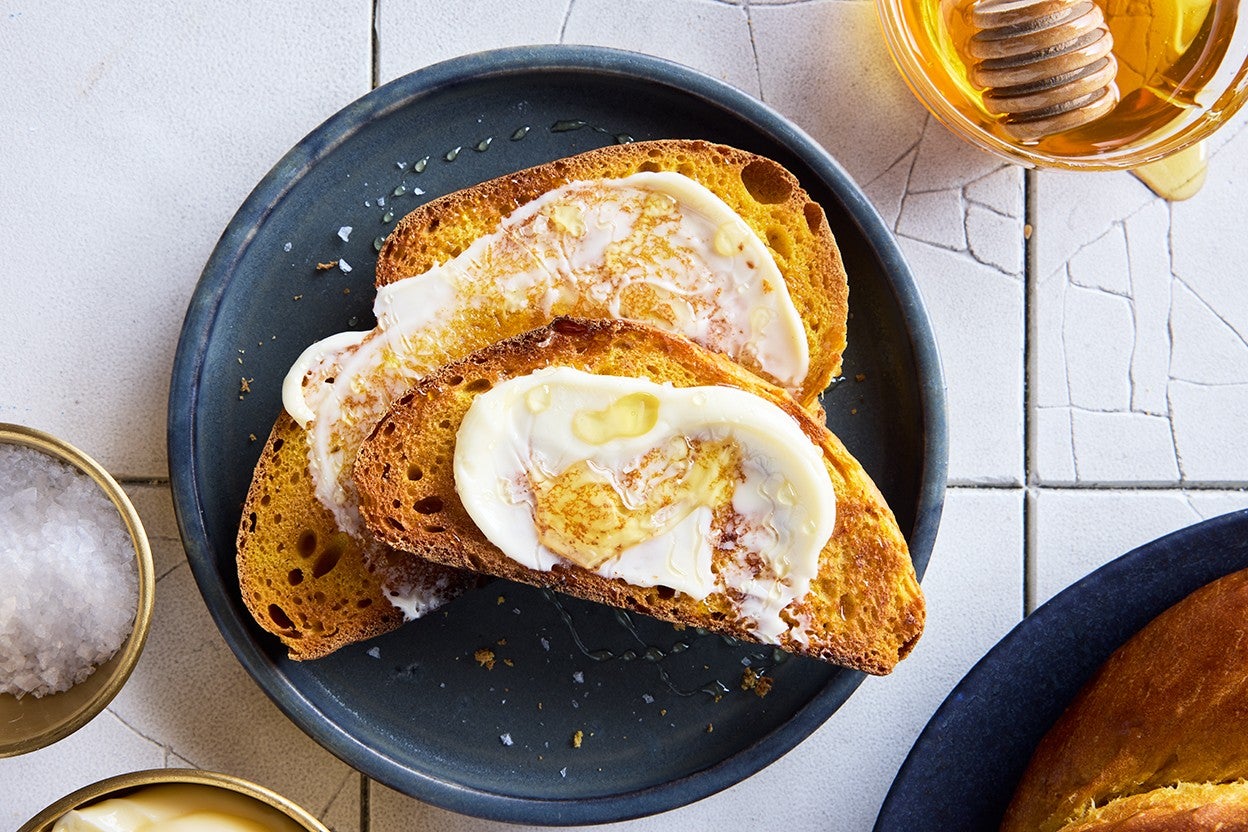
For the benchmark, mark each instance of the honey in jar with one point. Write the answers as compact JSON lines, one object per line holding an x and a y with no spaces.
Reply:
{"x":1180,"y":72}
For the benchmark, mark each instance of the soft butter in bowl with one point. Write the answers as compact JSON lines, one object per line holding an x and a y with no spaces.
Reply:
{"x":76,"y":601}
{"x":174,"y":800}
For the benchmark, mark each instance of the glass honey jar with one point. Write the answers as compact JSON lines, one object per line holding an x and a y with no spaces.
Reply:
{"x":1182,"y":70}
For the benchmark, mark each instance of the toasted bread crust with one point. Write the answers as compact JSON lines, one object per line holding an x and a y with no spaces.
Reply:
{"x":794,"y":228}
{"x":275,"y":571}
{"x":865,"y":606}
{"x":1169,"y":708}
{"x":765,"y":195}
{"x":311,"y":585}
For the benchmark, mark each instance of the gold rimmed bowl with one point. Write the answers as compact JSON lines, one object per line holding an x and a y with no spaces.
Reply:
{"x":124,"y":785}
{"x":29,"y":723}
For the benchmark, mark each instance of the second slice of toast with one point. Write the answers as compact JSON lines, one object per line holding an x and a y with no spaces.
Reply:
{"x":864,"y":608}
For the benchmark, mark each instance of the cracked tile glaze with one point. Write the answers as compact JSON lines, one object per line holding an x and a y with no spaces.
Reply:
{"x":958,"y":212}
{"x":1142,"y":338}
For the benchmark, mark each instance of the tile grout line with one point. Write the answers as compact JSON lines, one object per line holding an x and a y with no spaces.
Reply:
{"x":1029,"y":361}
{"x":374,"y":46}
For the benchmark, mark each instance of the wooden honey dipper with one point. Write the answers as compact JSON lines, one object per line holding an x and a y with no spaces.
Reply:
{"x":1045,"y":66}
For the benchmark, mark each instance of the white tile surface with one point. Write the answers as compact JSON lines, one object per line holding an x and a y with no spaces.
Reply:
{"x":104,"y":747}
{"x":1079,"y":530}
{"x":868,"y":120}
{"x":837,"y":778}
{"x":129,"y":141}
{"x":1142,"y":343}
{"x":934,"y":217}
{"x":709,"y":36}
{"x":1000,"y":191}
{"x":977,"y":313}
{"x":412,"y":33}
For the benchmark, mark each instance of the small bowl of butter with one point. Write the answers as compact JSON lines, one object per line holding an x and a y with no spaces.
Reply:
{"x":174,"y":800}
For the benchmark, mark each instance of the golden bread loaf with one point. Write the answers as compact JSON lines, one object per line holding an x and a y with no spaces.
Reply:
{"x":319,"y":588}
{"x":1188,"y":807}
{"x":1158,"y":738}
{"x":864,"y":608}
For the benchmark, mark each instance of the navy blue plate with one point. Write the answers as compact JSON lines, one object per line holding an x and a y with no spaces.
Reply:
{"x":662,"y":717}
{"x":964,"y":767}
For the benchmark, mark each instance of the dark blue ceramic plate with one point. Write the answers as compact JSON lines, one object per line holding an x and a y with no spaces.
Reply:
{"x":661,"y":727}
{"x":965,"y":765}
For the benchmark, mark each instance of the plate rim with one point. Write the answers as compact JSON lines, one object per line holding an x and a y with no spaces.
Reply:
{"x":221,"y":270}
{"x":1049,"y":615}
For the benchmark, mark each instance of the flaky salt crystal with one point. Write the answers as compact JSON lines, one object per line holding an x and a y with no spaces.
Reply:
{"x":72,"y":588}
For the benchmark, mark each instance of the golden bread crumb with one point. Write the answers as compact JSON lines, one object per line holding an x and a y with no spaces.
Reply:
{"x":750,"y":680}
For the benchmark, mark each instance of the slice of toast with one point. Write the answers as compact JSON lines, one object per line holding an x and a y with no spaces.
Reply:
{"x":762,"y":192}
{"x":285,"y":530}
{"x":313,"y":586}
{"x":864,"y":608}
